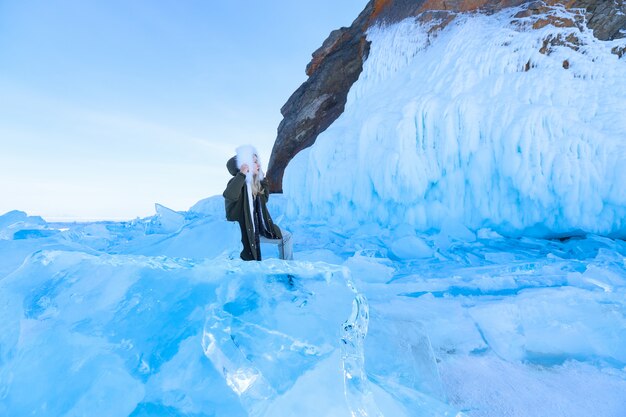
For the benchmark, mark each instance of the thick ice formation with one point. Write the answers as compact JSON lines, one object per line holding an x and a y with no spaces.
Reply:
{"x":121,"y":335}
{"x":487,"y":123}
{"x":104,"y":319}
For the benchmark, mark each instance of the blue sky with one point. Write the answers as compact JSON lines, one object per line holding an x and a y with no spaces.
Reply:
{"x":107,"y":107}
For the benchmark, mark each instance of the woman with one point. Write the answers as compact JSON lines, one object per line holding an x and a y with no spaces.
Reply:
{"x":246,"y":198}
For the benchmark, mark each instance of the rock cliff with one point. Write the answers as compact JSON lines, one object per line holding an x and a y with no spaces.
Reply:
{"x":337,"y":64}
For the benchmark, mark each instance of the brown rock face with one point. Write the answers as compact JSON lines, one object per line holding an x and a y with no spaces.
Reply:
{"x":320,"y":100}
{"x":337,"y":64}
{"x":606,"y":18}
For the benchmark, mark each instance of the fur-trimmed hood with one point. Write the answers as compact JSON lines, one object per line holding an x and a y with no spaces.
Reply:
{"x":231,"y":165}
{"x":245,"y":155}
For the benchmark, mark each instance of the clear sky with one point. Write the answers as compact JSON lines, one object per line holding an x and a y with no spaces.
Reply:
{"x":110,"y":106}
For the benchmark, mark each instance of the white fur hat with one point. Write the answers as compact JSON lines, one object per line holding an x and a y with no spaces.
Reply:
{"x":245,"y":155}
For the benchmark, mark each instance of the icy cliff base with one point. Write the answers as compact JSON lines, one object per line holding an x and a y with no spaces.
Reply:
{"x":139,"y":319}
{"x":488,"y":122}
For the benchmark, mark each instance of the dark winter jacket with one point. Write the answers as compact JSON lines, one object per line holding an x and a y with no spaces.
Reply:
{"x":238,"y":209}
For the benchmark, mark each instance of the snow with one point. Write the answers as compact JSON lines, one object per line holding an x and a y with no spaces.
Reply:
{"x":424,"y":287}
{"x":449,"y":126}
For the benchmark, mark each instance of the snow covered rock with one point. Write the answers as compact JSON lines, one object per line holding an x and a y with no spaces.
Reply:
{"x":510,"y":121}
{"x":338,"y":63}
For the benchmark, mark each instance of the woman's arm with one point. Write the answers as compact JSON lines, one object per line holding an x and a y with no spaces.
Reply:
{"x":234,"y":187}
{"x":266,"y":190}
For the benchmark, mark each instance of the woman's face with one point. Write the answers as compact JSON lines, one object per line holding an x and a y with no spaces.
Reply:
{"x":255,"y":166}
